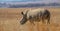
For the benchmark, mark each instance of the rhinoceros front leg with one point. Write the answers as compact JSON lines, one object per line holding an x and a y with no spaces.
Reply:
{"x":32,"y":22}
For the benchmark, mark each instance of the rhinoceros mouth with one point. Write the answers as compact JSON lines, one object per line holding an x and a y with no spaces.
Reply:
{"x":23,"y":21}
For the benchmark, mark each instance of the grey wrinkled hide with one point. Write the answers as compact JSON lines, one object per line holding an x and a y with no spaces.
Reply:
{"x":35,"y":15}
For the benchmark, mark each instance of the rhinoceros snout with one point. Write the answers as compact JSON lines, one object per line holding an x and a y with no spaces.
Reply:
{"x":23,"y":21}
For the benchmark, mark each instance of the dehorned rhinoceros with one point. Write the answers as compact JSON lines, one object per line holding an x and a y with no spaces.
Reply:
{"x":35,"y":15}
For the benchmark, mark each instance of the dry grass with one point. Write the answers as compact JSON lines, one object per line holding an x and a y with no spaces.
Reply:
{"x":10,"y":20}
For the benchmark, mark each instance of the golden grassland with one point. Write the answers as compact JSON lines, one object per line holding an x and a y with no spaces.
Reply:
{"x":10,"y":20}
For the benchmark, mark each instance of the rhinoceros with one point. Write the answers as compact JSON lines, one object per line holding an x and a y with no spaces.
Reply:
{"x":35,"y":15}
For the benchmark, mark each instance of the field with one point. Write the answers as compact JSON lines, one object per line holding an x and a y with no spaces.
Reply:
{"x":10,"y":20}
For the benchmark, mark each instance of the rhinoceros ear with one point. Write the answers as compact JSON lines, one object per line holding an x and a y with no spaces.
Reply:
{"x":22,"y":13}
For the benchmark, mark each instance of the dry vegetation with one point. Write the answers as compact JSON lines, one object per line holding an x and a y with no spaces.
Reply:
{"x":10,"y":20}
